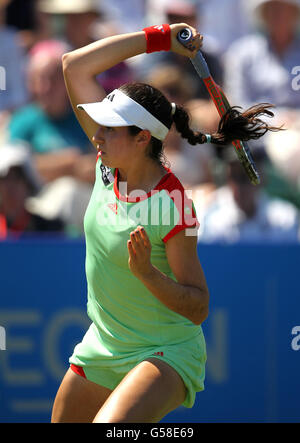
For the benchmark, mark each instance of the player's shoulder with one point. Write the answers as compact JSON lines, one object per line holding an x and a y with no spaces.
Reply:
{"x":174,"y":194}
{"x":170,"y":182}
{"x":178,"y":198}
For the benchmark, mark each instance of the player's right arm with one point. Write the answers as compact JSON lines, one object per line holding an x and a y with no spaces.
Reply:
{"x":82,"y":65}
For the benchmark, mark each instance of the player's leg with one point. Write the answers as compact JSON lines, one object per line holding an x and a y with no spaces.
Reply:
{"x":145,"y":395}
{"x":78,"y":400}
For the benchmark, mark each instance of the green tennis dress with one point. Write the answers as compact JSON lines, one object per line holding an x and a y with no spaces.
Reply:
{"x":129,"y":324}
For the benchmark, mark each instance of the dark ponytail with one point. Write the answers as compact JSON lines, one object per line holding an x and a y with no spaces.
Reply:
{"x":234,"y":125}
{"x":182,"y":123}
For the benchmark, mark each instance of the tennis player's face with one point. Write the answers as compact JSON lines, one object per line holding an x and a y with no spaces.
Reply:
{"x":115,"y":145}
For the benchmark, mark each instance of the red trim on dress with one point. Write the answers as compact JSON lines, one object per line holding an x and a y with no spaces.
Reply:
{"x":158,"y":187}
{"x":185,"y":220}
{"x":78,"y":370}
{"x":168,"y":182}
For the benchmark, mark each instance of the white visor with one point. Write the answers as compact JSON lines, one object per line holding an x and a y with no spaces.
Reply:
{"x":117,"y":109}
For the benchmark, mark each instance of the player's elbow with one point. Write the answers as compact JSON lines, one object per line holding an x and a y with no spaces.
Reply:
{"x":66,"y":61}
{"x":202,"y":312}
{"x":71,"y":64}
{"x":202,"y":316}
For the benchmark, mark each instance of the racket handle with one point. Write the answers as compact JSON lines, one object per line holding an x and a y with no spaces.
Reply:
{"x":184,"y":37}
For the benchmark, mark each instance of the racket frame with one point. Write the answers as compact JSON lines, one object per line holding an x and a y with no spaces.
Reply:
{"x":222,"y":104}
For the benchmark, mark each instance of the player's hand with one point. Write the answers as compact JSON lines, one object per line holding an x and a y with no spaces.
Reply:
{"x":194,"y":46}
{"x":139,"y":248}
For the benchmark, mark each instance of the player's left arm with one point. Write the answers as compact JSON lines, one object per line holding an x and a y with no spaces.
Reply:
{"x":188,"y":295}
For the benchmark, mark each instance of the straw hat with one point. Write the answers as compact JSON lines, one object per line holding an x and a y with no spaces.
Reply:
{"x":257,"y":4}
{"x":68,"y":6}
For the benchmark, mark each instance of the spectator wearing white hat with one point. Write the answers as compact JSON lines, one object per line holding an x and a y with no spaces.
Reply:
{"x":82,"y":22}
{"x":78,"y":17}
{"x":18,"y":181}
{"x":259,"y":67}
{"x":264,"y":67}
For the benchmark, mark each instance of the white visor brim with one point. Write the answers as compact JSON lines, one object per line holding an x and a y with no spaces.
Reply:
{"x":117,"y":109}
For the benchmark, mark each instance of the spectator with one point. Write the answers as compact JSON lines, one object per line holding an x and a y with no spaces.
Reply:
{"x":19,"y":181}
{"x":65,"y":199}
{"x":24,"y":18}
{"x":225,"y":21}
{"x":84,"y":21}
{"x":48,"y":124}
{"x":78,"y":18}
{"x":258,"y":67}
{"x":13,"y":93}
{"x":239,"y":211}
{"x":125,"y":13}
{"x":198,"y":103}
{"x":184,"y":11}
{"x":261,"y":68}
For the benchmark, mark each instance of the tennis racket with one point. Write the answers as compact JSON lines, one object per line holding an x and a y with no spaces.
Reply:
{"x":221,"y":102}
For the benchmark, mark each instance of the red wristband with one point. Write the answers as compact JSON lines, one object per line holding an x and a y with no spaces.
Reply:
{"x":158,"y":38}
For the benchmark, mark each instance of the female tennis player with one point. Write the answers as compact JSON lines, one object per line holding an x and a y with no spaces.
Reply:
{"x":144,"y":353}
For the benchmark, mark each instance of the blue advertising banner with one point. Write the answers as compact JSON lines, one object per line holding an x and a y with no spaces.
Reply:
{"x":252,"y":333}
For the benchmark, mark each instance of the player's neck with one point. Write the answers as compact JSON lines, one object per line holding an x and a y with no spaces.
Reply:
{"x":144,"y":179}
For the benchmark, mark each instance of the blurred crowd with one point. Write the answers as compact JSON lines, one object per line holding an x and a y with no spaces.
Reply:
{"x":47,"y":164}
